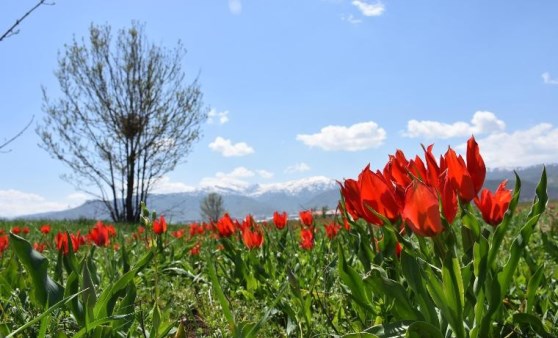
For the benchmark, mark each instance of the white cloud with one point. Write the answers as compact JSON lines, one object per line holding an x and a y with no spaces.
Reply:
{"x":359,"y":136}
{"x":264,"y":173}
{"x":367,"y":9}
{"x":548,"y":80}
{"x":221,"y":117}
{"x":165,"y":185}
{"x":483,"y":122}
{"x":228,"y":149}
{"x":235,"y":6}
{"x":17,"y":203}
{"x":536,"y":145}
{"x":350,"y":19}
{"x":237,"y":178}
{"x":297,"y":168}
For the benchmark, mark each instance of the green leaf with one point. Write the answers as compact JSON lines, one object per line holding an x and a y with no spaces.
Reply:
{"x":76,"y":307}
{"x":355,"y":283}
{"x":45,"y":289}
{"x":534,"y":321}
{"x":394,"y":292}
{"x":532,"y":287}
{"x":423,"y":330}
{"x":42,"y":315}
{"x":126,"y":307}
{"x":414,"y":276}
{"x":106,"y":301}
{"x":155,"y":321}
{"x":454,"y":294}
{"x":391,"y":330}
{"x":220,"y":295}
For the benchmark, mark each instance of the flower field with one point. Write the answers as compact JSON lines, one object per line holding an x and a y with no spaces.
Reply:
{"x":418,"y":249}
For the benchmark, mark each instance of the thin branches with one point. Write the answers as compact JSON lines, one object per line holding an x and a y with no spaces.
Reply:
{"x":13,"y":29}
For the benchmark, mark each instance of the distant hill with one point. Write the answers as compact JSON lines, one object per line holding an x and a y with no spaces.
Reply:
{"x":292,"y":196}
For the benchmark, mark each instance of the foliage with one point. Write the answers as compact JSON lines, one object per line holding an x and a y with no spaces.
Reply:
{"x":211,"y":207}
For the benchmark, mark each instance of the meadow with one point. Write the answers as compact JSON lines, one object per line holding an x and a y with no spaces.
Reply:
{"x":439,"y":258}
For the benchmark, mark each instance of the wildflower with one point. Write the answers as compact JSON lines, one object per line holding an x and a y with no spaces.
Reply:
{"x":252,"y":239}
{"x":493,"y":206}
{"x":3,"y":243}
{"x":331,"y":230}
{"x":40,"y":247}
{"x":178,"y":233}
{"x":16,"y":230}
{"x":306,"y":217}
{"x":225,"y":226}
{"x":25,"y":230}
{"x":160,"y":225}
{"x":280,"y":219}
{"x":62,"y":239}
{"x":307,"y":238}
{"x":99,"y":235}
{"x":378,"y":194}
{"x":45,"y":229}
{"x":468,"y":178}
{"x":195,"y":249}
{"x":421,"y":212}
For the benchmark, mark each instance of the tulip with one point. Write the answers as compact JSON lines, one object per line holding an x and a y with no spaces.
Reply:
{"x":225,"y":226}
{"x":45,"y":229}
{"x":3,"y":243}
{"x":99,"y":234}
{"x":331,"y":230}
{"x":160,"y":225}
{"x":280,"y":220}
{"x":421,"y":212}
{"x":252,"y":239}
{"x":306,"y":217}
{"x":307,"y":238}
{"x":379,"y":195}
{"x":493,"y":206}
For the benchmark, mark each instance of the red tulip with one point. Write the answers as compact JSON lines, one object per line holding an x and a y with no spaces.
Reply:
{"x":421,"y":212}
{"x":307,"y":238}
{"x":225,"y":226}
{"x":306,"y":217}
{"x":448,"y":197}
{"x":280,"y":220}
{"x":25,"y":230}
{"x":196,"y":229}
{"x":62,"y":245}
{"x":16,"y":230}
{"x":99,"y":234}
{"x":195,"y":249}
{"x":351,"y":197}
{"x":3,"y":243}
{"x":40,"y":247}
{"x":331,"y":230}
{"x":45,"y":229}
{"x":252,"y":239}
{"x":377,"y":194}
{"x":160,"y":225}
{"x":178,"y":233}
{"x":493,"y":206}
{"x":475,"y":164}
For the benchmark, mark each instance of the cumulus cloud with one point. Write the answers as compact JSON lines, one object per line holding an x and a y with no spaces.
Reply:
{"x":367,"y":9}
{"x":17,"y":203}
{"x":235,"y":6}
{"x":359,"y":136}
{"x":165,"y":185}
{"x":237,"y":178}
{"x":483,"y":122}
{"x":297,"y":168}
{"x":264,"y":173}
{"x":549,"y":80}
{"x":228,"y":149}
{"x":217,"y":117}
{"x":536,"y":145}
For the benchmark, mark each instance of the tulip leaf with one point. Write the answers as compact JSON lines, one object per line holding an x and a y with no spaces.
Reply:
{"x":46,"y":290}
{"x":532,"y":287}
{"x":72,"y":287}
{"x":354,"y":282}
{"x":220,"y":295}
{"x":423,"y":330}
{"x":535,"y":323}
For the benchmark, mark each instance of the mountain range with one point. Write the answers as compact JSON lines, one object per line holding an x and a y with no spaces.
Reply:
{"x":261,"y":200}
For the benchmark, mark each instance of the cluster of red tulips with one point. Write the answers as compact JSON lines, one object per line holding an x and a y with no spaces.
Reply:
{"x":424,"y":194}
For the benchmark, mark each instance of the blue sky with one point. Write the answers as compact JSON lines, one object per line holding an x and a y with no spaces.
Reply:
{"x":307,"y":87}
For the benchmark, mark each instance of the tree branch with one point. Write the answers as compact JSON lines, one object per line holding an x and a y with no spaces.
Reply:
{"x":12,"y":30}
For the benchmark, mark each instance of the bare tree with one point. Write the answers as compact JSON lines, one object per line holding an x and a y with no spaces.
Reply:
{"x":125,"y":117}
{"x":12,"y":30}
{"x":211,"y":207}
